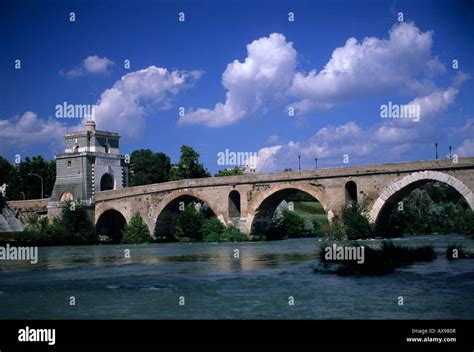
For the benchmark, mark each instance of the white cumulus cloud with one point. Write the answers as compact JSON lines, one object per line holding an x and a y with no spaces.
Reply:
{"x":402,"y":64}
{"x":262,"y":79}
{"x":387,"y":140}
{"x":91,"y":65}
{"x":123,"y":107}
{"x":466,"y":148}
{"x":23,"y":131}
{"x":373,"y":67}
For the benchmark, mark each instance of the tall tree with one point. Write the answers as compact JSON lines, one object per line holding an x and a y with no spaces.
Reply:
{"x":236,"y":171}
{"x":6,"y":170}
{"x":22,"y":184}
{"x":189,"y":166}
{"x":147,"y":167}
{"x":136,"y":231}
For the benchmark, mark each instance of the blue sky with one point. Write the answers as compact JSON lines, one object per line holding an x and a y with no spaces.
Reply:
{"x":335,"y":85}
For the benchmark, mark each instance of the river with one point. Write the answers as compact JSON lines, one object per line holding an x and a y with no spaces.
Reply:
{"x":214,"y":284}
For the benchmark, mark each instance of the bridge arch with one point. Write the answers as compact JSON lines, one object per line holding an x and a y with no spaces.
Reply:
{"x":173,"y":204}
{"x":397,"y":190}
{"x":111,"y":223}
{"x":268,"y":202}
{"x":234,"y":204}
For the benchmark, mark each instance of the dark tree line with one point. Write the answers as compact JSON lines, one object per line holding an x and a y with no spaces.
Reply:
{"x":147,"y":167}
{"x":433,"y":208}
{"x":21,"y":183}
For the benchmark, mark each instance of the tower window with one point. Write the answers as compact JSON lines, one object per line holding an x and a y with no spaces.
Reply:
{"x":69,"y":163}
{"x":107,"y":149}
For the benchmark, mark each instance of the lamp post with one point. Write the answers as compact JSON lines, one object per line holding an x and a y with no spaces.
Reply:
{"x":450,"y":155}
{"x":299,"y":162}
{"x":436,"y":148}
{"x":316,"y":162}
{"x":32,"y":174}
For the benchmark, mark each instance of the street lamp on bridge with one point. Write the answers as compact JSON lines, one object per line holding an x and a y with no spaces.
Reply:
{"x":32,"y":174}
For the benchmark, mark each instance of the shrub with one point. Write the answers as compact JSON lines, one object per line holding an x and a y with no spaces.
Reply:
{"x":293,"y":225}
{"x":286,"y":223}
{"x":73,"y":226}
{"x":335,"y":231}
{"x":212,"y":229}
{"x":275,"y":231}
{"x":188,"y":224}
{"x":136,"y":231}
{"x":464,"y":222}
{"x":232,"y":234}
{"x":380,"y":261}
{"x":356,"y":222}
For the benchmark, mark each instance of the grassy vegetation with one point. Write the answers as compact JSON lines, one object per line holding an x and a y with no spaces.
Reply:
{"x":312,"y":211}
{"x":377,"y":261}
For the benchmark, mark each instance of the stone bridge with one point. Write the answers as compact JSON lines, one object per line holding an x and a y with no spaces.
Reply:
{"x":249,"y":201}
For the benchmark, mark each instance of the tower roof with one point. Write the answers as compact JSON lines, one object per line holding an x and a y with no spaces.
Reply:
{"x":90,"y":125}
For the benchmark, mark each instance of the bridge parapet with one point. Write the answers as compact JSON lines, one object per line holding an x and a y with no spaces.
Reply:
{"x":337,"y":172}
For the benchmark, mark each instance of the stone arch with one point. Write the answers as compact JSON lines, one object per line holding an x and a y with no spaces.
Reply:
{"x":269,"y":200}
{"x":396,"y":190}
{"x":234,"y":204}
{"x":110,"y":223}
{"x":167,"y":214}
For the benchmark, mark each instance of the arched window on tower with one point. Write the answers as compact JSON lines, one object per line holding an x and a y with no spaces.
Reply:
{"x":106,"y":182}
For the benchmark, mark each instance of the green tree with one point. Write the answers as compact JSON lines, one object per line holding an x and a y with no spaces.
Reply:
{"x":356,"y":222}
{"x":294,"y":225}
{"x":432,"y":208}
{"x":212,"y":229}
{"x":232,"y":234}
{"x":6,"y":171}
{"x":22,"y":184}
{"x":136,"y":231}
{"x":464,"y":222}
{"x":236,"y":171}
{"x":189,"y":166}
{"x":147,"y":167}
{"x":189,"y":224}
{"x":73,"y":224}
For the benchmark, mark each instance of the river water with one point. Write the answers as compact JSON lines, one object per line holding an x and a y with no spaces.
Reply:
{"x":216,"y":285}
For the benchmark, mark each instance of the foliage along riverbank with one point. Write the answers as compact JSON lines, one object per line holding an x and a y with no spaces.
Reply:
{"x":381,"y":260}
{"x":433,"y":208}
{"x":377,"y":261}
